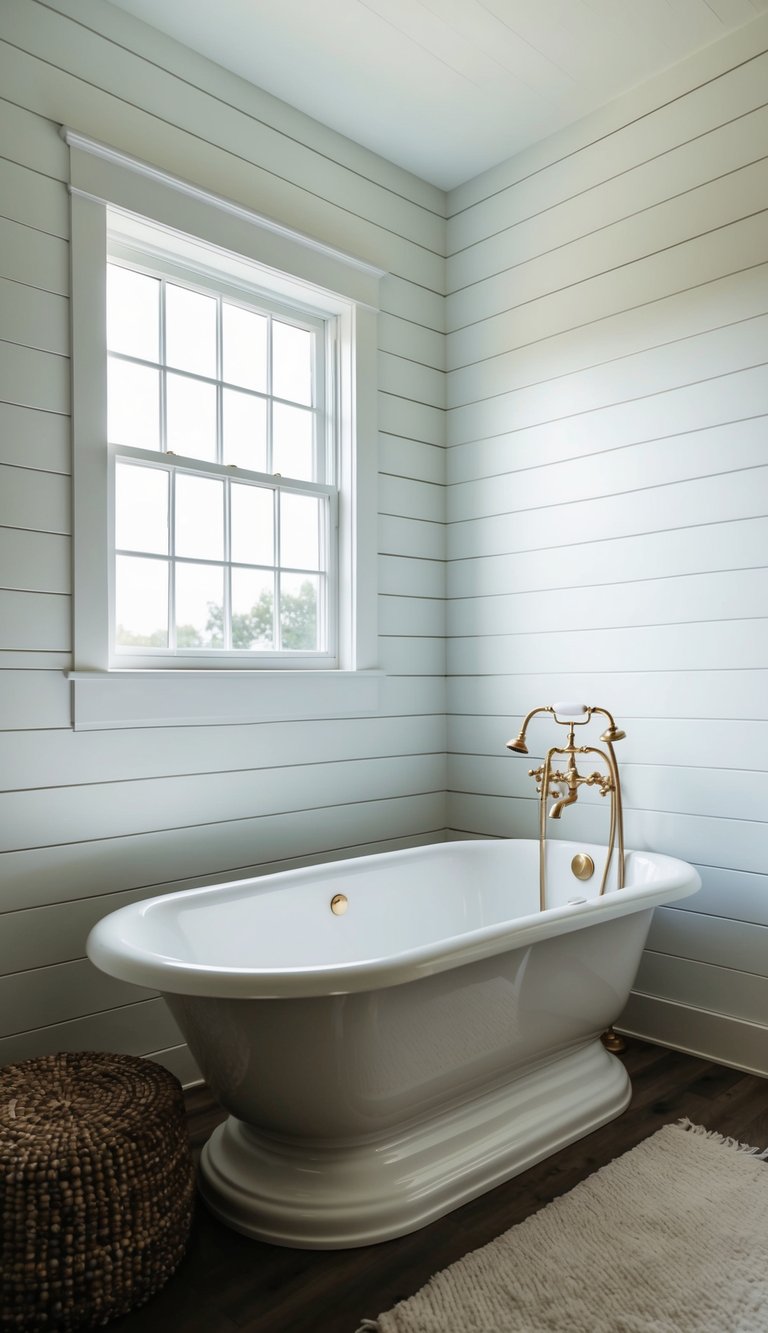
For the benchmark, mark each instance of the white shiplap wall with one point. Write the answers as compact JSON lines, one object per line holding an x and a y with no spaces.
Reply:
{"x":92,"y":820}
{"x":608,"y":503}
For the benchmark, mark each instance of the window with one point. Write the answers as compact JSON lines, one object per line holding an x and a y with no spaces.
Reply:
{"x":224,"y":415}
{"x":222,"y":443}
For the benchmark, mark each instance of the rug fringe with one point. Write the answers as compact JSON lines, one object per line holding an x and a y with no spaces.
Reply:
{"x":723,"y":1140}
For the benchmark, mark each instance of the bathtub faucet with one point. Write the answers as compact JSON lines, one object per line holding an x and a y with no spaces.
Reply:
{"x":562,"y":785}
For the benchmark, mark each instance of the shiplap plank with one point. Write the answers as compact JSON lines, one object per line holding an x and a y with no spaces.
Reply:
{"x":736,"y":645}
{"x":665,"y":322}
{"x":33,"y":199}
{"x":132,"y":1029}
{"x":35,"y":621}
{"x":34,"y":257}
{"x":679,"y":742}
{"x":34,"y":699}
{"x":34,"y":379}
{"x":33,"y":499}
{"x":404,"y":337}
{"x":65,"y":758}
{"x":716,"y":793}
{"x":421,"y":539}
{"x":32,"y":141}
{"x":34,"y":318}
{"x":741,"y":945}
{"x":546,"y":174}
{"x":677,"y":552}
{"x":729,"y":1041}
{"x":737,"y":844}
{"x":43,"y":936}
{"x":416,"y":616}
{"x":407,"y":498}
{"x":399,"y":375}
{"x":701,"y":500}
{"x":411,"y":458}
{"x":233,"y":849}
{"x":587,"y":298}
{"x":716,"y":596}
{"x":34,"y":561}
{"x":423,"y":577}
{"x":731,"y":893}
{"x":34,"y":439}
{"x":697,"y":694}
{"x":54,"y":994}
{"x":737,"y":994}
{"x":401,"y":656}
{"x":413,"y":421}
{"x":72,"y":814}
{"x":663,"y":177}
{"x":180,"y":1061}
{"x":669,"y":225}
{"x":715,"y":352}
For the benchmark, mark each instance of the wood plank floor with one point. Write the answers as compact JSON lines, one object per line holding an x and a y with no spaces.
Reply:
{"x":229,"y":1284}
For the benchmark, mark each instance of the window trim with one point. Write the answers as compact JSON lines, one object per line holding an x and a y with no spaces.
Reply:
{"x":298,"y":268}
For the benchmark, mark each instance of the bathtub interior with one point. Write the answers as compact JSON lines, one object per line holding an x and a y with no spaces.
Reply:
{"x":397,"y":902}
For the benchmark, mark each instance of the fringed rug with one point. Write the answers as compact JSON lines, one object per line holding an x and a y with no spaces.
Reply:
{"x":670,"y":1238}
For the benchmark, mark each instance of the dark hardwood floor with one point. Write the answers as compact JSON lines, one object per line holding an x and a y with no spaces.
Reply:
{"x":227,"y":1282}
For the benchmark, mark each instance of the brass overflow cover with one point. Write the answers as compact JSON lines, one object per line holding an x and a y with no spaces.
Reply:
{"x":340,"y":903}
{"x":583,"y":866}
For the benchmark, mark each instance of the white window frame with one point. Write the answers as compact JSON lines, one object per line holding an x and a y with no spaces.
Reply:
{"x":105,"y":186}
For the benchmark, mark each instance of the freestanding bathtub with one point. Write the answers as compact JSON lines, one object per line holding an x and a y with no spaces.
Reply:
{"x":384,"y":1065}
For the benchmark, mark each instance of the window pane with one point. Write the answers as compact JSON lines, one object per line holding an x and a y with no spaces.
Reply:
{"x":134,"y":405}
{"x":292,"y":442}
{"x":191,"y":407}
{"x":245,"y":347}
{"x":300,"y":531}
{"x":253,"y":522}
{"x":190,"y":330}
{"x":245,"y":430}
{"x":141,"y":602}
{"x":199,"y":517}
{"x":252,"y":609}
{"x":133,"y":313}
{"x":291,"y":363}
{"x":298,"y":611}
{"x":199,"y":606}
{"x":141,"y":508}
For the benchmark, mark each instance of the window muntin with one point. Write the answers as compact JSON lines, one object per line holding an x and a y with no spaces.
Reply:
{"x":222,"y":456}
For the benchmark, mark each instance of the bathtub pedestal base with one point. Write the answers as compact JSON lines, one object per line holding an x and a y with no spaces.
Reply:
{"x":320,"y":1195}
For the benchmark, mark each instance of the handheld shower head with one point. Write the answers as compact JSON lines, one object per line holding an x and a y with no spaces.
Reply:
{"x":518,"y":745}
{"x":613,"y":733}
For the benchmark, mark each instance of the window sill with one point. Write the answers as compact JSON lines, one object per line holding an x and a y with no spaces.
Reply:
{"x":102,"y":700}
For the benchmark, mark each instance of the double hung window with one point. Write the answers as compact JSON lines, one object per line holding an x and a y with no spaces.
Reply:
{"x":221,"y":430}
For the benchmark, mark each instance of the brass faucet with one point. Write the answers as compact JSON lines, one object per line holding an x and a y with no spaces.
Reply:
{"x":562,"y":786}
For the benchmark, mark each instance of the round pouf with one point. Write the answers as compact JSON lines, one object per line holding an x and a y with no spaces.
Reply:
{"x":96,"y":1187}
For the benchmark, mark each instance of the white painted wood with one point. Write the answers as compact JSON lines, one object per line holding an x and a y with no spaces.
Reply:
{"x":422,"y":577}
{"x":725,"y":300}
{"x":34,"y":318}
{"x":739,"y":994}
{"x":740,"y":945}
{"x":34,"y":561}
{"x":734,"y":844}
{"x":54,"y":994}
{"x":34,"y":379}
{"x":656,"y":371}
{"x":714,"y":596}
{"x":714,"y":1036}
{"x":65,"y":758}
{"x":709,"y":256}
{"x":34,"y":439}
{"x":229,"y":850}
{"x":411,"y":458}
{"x":734,"y":894}
{"x":34,"y":621}
{"x":419,"y":616}
{"x":691,"y":503}
{"x":130,"y":1029}
{"x":421,"y":539}
{"x":34,"y":699}
{"x":32,"y":199}
{"x":695,"y":694}
{"x":411,"y":499}
{"x":715,"y":793}
{"x":33,"y":257}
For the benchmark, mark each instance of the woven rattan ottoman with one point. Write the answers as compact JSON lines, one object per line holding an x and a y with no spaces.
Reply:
{"x":96,"y":1188}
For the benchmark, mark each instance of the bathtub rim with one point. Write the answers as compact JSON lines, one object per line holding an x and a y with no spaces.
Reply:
{"x":110,"y":950}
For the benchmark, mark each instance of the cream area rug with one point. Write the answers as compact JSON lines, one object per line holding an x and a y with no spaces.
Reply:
{"x":670,"y":1238}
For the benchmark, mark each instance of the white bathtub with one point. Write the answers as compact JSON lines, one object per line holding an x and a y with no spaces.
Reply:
{"x":383,"y":1066}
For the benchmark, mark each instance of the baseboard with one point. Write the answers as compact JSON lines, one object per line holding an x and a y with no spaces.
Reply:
{"x":718,"y":1037}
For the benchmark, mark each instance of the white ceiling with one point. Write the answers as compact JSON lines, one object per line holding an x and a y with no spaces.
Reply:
{"x":446,"y":88}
